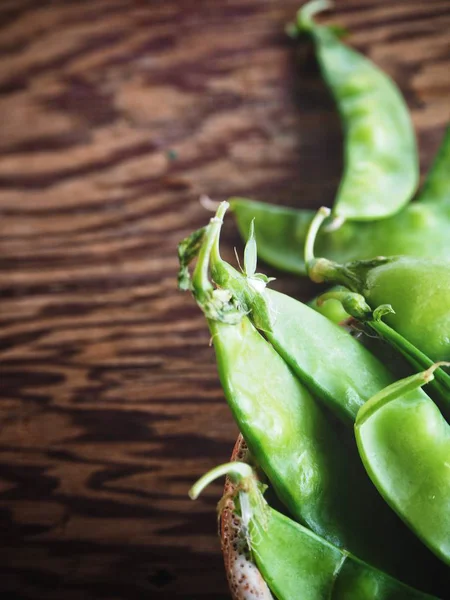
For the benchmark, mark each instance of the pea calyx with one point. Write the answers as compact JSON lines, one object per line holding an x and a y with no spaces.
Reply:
{"x":247,"y":286}
{"x":217,"y":303}
{"x":351,"y":275}
{"x":187,"y":251}
{"x":247,"y":495}
{"x":354,"y":304}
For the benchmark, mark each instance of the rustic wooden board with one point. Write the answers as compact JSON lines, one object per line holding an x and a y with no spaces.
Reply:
{"x":116,"y":116}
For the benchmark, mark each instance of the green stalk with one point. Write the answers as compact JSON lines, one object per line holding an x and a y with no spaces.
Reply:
{"x":238,"y":472}
{"x":322,"y":269}
{"x":419,"y":360}
{"x":394,"y":391}
{"x":200,"y":278}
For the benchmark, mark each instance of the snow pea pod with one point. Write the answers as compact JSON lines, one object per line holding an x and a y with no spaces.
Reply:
{"x":420,"y":229}
{"x":299,"y":446}
{"x":287,"y":432}
{"x":295,"y":562}
{"x":404,"y":443}
{"x":381,"y":169}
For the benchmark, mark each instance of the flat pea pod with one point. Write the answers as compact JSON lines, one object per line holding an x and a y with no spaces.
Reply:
{"x":404,"y":443}
{"x":420,"y":229}
{"x":381,"y":169}
{"x":418,"y":290}
{"x":295,"y":562}
{"x":338,"y":368}
{"x":286,"y":431}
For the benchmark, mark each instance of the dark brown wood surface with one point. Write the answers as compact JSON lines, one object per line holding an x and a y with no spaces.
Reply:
{"x":115,"y":116}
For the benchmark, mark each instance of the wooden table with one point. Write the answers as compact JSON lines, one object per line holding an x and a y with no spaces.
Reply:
{"x":116,"y":116}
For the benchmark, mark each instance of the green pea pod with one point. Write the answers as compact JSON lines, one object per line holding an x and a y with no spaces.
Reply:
{"x":289,"y":433}
{"x":417,"y":290}
{"x":295,"y":562}
{"x":420,"y":229}
{"x":404,"y":443}
{"x":372,"y":324}
{"x":380,"y":154}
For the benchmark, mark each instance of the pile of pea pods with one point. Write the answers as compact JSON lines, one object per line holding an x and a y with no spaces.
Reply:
{"x":344,"y":402}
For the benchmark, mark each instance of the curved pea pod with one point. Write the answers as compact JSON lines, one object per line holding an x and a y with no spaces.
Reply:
{"x":286,"y":431}
{"x":420,"y":229}
{"x":306,"y":455}
{"x":381,"y":169}
{"x":294,"y":561}
{"x":404,"y":443}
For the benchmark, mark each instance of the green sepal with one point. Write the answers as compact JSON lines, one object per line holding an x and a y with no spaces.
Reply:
{"x":187,"y":251}
{"x":220,"y":305}
{"x":248,"y":292}
{"x":263,"y":277}
{"x":248,"y":287}
{"x":236,"y":294}
{"x":354,"y":304}
{"x":250,"y":252}
{"x":351,"y":275}
{"x":382,"y":310}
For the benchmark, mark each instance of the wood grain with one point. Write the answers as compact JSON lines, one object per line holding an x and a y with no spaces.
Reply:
{"x":116,"y":116}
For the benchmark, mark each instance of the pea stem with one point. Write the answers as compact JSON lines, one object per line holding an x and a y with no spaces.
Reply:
{"x":215,"y":249}
{"x":313,"y":230}
{"x":305,"y":15}
{"x":200,"y":278}
{"x":418,"y":359}
{"x":237,"y":471}
{"x":395,"y":391}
